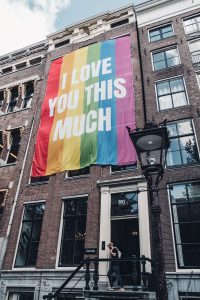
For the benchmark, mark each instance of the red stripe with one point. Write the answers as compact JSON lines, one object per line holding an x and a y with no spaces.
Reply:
{"x":46,"y":122}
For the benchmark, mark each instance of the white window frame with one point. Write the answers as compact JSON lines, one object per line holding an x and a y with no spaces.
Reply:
{"x":157,"y":27}
{"x":188,"y":18}
{"x":178,"y":270}
{"x":19,"y":234}
{"x":163,"y":50}
{"x":57,"y":267}
{"x":166,"y":79}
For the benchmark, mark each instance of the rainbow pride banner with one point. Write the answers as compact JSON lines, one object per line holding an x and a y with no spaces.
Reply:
{"x":89,"y":101}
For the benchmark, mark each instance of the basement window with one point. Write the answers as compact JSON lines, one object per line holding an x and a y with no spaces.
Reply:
{"x":13,"y":100}
{"x":29,"y":90}
{"x":14,"y":143}
{"x":63,"y":43}
{"x":35,"y":61}
{"x":119,"y":23}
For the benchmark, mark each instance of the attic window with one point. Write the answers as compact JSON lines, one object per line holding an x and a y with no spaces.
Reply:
{"x":21,"y":66}
{"x":63,"y":43}
{"x":35,"y":61}
{"x":119,"y":23}
{"x":7,"y":70}
{"x":39,"y":179}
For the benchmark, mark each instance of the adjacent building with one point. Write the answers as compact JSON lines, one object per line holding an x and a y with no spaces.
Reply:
{"x":48,"y":223}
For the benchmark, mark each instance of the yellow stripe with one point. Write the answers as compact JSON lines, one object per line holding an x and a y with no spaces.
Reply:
{"x":71,"y":153}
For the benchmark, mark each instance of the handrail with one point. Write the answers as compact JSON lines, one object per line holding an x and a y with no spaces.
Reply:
{"x":96,"y":261}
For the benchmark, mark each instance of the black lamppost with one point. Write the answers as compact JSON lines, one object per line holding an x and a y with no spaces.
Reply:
{"x":151,"y":144}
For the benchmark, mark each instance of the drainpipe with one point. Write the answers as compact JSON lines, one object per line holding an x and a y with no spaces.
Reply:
{"x":141,"y":68}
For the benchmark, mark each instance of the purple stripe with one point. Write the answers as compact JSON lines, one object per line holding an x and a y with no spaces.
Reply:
{"x":125,"y":110}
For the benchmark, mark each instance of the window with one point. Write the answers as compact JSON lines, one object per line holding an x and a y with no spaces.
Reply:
{"x":21,"y":66}
{"x":1,"y":142}
{"x":79,"y":172}
{"x":14,"y":143}
{"x":161,"y":33}
{"x":63,"y":43}
{"x":1,"y":98}
{"x":171,"y":93}
{"x":123,"y":167}
{"x":192,"y":24}
{"x":29,"y":90}
{"x":183,"y":149}
{"x":119,"y":23}
{"x":7,"y":70}
{"x":195,"y":51}
{"x":39,"y":179}
{"x":30,"y":235}
{"x":185,"y":205}
{"x":21,"y":296}
{"x":35,"y":61}
{"x":13,"y":99}
{"x":165,"y":59}
{"x":3,"y":194}
{"x":74,"y":231}
{"x":124,"y":204}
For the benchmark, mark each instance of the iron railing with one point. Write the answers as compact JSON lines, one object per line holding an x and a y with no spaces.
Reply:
{"x":139,"y":275}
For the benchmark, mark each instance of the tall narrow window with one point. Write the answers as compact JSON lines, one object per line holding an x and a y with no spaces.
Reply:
{"x":195,"y":51}
{"x":185,"y":204}
{"x":171,"y":93}
{"x":3,"y":194}
{"x":183,"y":148}
{"x":29,"y":90}
{"x":1,"y":99}
{"x":160,"y":33}
{"x":1,"y":142}
{"x":13,"y":100}
{"x":165,"y":59}
{"x":192,"y":24}
{"x":30,"y":235}
{"x":74,"y":231}
{"x":14,"y":144}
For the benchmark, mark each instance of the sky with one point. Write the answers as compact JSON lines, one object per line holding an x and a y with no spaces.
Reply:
{"x":25,"y":22}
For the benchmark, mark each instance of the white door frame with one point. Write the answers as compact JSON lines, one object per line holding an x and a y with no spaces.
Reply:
{"x":105,"y":222}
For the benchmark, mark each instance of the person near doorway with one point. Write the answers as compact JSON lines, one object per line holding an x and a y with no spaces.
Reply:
{"x":114,"y":267}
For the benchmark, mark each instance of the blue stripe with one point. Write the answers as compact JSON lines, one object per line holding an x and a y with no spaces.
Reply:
{"x":107,"y":140}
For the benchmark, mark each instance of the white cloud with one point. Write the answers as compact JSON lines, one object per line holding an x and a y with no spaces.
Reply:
{"x":24,"y":22}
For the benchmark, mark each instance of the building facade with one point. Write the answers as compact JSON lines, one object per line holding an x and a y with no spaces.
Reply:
{"x":47,"y":223}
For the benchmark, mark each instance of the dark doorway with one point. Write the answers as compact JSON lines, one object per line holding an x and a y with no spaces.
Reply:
{"x":125,"y":233}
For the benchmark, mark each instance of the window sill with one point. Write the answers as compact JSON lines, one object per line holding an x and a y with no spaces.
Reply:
{"x":12,"y":112}
{"x":8,"y":165}
{"x":171,"y":168}
{"x":164,"y":39}
{"x":168,"y":68}
{"x":26,"y":269}
{"x":173,"y":108}
{"x":37,"y":183}
{"x":78,"y":177}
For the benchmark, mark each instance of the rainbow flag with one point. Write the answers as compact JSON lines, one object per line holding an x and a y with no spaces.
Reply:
{"x":88,"y":103}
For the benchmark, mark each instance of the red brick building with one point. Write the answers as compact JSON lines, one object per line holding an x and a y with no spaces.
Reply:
{"x":47,"y":222}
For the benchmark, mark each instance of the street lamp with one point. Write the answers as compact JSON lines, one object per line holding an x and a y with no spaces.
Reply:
{"x":151,"y":144}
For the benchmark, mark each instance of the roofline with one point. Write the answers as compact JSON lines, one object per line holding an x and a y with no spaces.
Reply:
{"x":150,"y":4}
{"x":87,"y":20}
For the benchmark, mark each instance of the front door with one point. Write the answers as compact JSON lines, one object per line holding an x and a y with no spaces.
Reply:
{"x":125,"y":230}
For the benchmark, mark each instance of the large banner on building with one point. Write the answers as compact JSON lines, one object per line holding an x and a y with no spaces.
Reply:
{"x":89,"y":101}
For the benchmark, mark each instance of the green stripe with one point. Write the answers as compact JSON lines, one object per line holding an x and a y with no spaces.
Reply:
{"x":89,"y":141}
